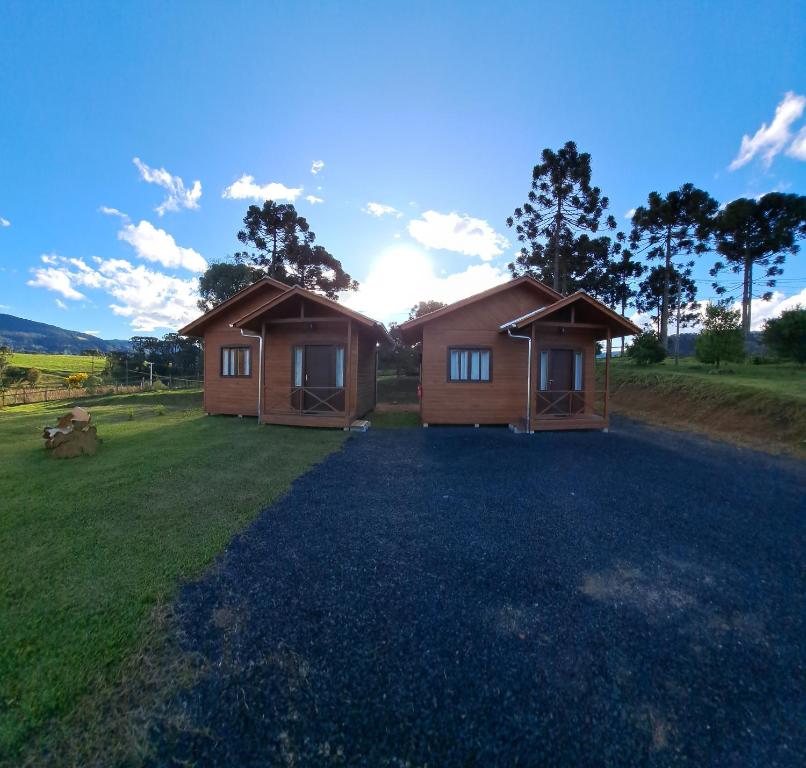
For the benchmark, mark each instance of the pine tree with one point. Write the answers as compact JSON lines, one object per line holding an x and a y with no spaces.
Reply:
{"x":562,"y":206}
{"x":284,"y":249}
{"x":752,"y":233}
{"x":670,"y":226}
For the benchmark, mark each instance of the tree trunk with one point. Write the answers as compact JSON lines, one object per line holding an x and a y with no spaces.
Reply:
{"x":747,"y":298}
{"x":664,"y":306}
{"x":557,"y":221}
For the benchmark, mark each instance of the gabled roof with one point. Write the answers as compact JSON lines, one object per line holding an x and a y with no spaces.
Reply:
{"x":610,"y":318}
{"x":417,"y":321}
{"x":316,"y":299}
{"x":195,"y":325}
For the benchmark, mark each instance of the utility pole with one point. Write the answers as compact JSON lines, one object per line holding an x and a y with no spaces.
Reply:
{"x":150,"y":372}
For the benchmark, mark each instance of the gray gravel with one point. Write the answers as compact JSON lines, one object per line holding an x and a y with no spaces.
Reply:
{"x":460,"y":597}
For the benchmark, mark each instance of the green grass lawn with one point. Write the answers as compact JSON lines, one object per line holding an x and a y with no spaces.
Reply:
{"x":394,"y":420}
{"x":786,"y":379}
{"x":90,"y":545}
{"x":54,"y":368}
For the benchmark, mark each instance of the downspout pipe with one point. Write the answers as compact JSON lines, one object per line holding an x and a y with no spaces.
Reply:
{"x":258,"y":336}
{"x":528,"y":340}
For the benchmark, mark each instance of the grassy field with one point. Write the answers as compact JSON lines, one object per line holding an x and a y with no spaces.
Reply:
{"x":55,"y":367}
{"x":762,"y":406}
{"x":785,"y":379}
{"x":91,"y":545}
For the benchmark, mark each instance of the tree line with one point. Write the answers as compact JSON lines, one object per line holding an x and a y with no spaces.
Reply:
{"x":569,"y":241}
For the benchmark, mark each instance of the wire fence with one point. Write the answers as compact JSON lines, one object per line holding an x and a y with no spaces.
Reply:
{"x":21,"y":395}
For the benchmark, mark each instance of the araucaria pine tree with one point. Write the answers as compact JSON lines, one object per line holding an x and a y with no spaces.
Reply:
{"x":752,"y":233}
{"x":562,"y":206}
{"x":670,"y":226}
{"x":284,"y":249}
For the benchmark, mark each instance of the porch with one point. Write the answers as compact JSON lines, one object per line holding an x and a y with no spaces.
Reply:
{"x":568,"y":388}
{"x":318,"y":361}
{"x":304,"y":406}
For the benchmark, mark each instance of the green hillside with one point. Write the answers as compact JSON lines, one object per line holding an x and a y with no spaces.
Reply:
{"x":54,"y":368}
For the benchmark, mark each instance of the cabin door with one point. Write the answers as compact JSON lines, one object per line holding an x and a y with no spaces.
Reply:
{"x":561,"y":397}
{"x":324,"y":383}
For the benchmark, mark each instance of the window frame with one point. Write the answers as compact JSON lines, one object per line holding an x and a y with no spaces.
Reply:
{"x":468,"y":380}
{"x":227,"y":347}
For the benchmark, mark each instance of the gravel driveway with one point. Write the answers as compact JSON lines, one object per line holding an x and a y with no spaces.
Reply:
{"x":460,"y":597}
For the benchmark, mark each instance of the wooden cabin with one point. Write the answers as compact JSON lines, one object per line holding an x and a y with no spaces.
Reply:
{"x":289,"y":356}
{"x":519,"y":354}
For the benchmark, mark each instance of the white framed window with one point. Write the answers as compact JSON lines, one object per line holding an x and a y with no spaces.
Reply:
{"x":469,"y":365}
{"x":298,"y":352}
{"x":236,"y":361}
{"x":578,"y":371}
{"x":339,"y":366}
{"x":544,"y":370}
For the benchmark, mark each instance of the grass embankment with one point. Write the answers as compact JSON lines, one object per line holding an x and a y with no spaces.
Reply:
{"x":762,"y":406}
{"x":55,"y":368}
{"x":92,"y":545}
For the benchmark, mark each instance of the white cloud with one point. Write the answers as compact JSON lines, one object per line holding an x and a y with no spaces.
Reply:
{"x":404,"y":275}
{"x":770,"y":139}
{"x":245,"y":188}
{"x":313,"y":199}
{"x":113,"y":212}
{"x":797,"y":148}
{"x":178,"y":195}
{"x":458,"y":232}
{"x":55,"y":280}
{"x":379,"y":209}
{"x":4,"y":222}
{"x":761,"y":310}
{"x":60,"y":304}
{"x":157,"y":245}
{"x":91,"y":333}
{"x":630,"y":213}
{"x":49,"y":258}
{"x":147,"y":298}
{"x":317,"y":166}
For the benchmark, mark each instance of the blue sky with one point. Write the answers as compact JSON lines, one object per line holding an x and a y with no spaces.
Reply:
{"x":436,"y":111}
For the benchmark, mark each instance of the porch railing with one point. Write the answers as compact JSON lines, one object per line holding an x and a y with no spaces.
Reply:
{"x":554,"y":404}
{"x":307,"y":401}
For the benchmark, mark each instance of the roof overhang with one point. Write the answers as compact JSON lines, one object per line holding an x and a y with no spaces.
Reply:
{"x":601,"y":320}
{"x":255,"y":319}
{"x":196,"y":327}
{"x":411,"y":329}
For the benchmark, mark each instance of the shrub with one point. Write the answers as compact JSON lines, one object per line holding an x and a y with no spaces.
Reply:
{"x":721,"y":338}
{"x":76,"y":379}
{"x":32,"y":376}
{"x":159,"y":410}
{"x":130,"y":414}
{"x":647,"y":349}
{"x":13,"y":374}
{"x":158,"y":386}
{"x":786,"y":335}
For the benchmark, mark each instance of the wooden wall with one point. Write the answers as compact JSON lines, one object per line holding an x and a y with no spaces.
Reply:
{"x":232,"y":395}
{"x":501,"y":401}
{"x":365,"y":390}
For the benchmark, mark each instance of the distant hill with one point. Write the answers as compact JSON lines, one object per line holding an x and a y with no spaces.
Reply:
{"x":755,"y":346}
{"x":29,"y":336}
